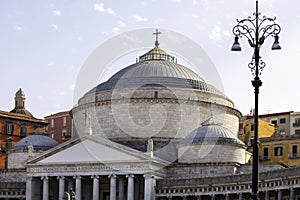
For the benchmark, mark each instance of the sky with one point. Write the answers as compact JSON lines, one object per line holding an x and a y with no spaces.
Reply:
{"x":44,"y":44}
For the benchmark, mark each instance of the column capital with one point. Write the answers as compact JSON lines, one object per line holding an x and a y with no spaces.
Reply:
{"x":95,"y":177}
{"x":77,"y":177}
{"x":148,"y":176}
{"x":112,"y":176}
{"x":44,"y":177}
{"x":29,"y":178}
{"x":129,"y":176}
{"x":60,"y":177}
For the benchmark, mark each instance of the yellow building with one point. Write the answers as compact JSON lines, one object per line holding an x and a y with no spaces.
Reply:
{"x":265,"y":129}
{"x":280,"y":149}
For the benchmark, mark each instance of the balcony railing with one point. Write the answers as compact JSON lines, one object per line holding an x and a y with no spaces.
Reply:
{"x":297,"y":124}
{"x":294,"y":155}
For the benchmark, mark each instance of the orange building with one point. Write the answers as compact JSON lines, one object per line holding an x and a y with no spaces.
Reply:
{"x":15,"y":125}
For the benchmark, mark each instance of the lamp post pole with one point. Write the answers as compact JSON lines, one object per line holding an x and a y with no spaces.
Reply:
{"x":256,"y":29}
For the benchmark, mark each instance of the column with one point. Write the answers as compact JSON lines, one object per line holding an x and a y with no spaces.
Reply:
{"x":184,"y":197}
{"x":45,"y":187}
{"x":130,"y":187}
{"x":267,"y":195}
{"x":292,"y":194}
{"x":29,"y":187}
{"x":121,"y":188}
{"x":61,"y":187}
{"x":240,"y":196}
{"x":148,"y":187}
{"x":198,"y":197}
{"x":279,"y":194}
{"x":153,"y":188}
{"x":78,"y":187}
{"x":113,"y":183}
{"x":212,"y":197}
{"x":226,"y":196}
{"x":95,"y":187}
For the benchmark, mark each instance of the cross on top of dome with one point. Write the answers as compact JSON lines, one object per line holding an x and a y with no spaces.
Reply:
{"x":156,"y":53}
{"x":156,"y":35}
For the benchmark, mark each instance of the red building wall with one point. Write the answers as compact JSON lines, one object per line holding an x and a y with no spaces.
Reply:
{"x":60,"y":126}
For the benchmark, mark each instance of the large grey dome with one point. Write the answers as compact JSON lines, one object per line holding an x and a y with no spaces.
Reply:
{"x":156,"y":68}
{"x":39,"y":143}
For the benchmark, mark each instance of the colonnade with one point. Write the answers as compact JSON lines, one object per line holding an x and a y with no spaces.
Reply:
{"x":115,"y":193}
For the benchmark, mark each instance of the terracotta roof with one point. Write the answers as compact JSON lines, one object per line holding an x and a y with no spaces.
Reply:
{"x":270,"y":115}
{"x":59,"y":113}
{"x":20,"y":117}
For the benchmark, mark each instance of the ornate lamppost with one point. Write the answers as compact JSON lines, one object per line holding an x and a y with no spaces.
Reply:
{"x":256,"y":29}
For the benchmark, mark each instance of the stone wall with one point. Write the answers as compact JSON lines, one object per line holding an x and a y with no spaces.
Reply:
{"x":136,"y":113}
{"x":12,"y":176}
{"x":229,"y":179}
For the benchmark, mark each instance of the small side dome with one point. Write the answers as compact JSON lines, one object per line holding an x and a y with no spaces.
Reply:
{"x":211,"y":133}
{"x":211,"y":143}
{"x":38,"y":140}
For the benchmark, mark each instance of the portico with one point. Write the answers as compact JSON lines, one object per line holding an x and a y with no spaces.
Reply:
{"x":93,"y":174}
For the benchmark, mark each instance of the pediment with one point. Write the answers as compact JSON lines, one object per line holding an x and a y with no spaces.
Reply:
{"x":89,"y":149}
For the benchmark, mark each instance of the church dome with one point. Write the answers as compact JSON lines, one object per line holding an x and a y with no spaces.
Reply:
{"x":156,"y":68}
{"x":211,"y":133}
{"x":38,"y":142}
{"x":211,"y":143}
{"x":155,"y":97}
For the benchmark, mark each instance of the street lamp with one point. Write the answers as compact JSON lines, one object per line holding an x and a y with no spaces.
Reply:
{"x":256,"y":29}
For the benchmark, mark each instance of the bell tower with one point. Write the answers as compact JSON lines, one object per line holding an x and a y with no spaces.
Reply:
{"x":20,"y":99}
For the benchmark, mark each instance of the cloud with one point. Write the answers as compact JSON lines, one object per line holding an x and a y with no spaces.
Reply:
{"x":56,"y":13}
{"x":116,"y":30}
{"x":100,"y":7}
{"x":110,"y":11}
{"x":51,"y":63}
{"x":19,"y":28}
{"x":54,"y":26}
{"x":122,"y":24}
{"x":140,"y":18}
{"x":217,"y":32}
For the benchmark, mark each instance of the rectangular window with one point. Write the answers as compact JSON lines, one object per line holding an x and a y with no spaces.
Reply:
{"x":23,"y":130}
{"x":266,"y":153}
{"x":52,"y":123}
{"x":9,"y":144}
{"x":282,"y":131}
{"x":278,"y":151}
{"x":64,"y":121}
{"x":9,"y":129}
{"x":274,"y":122}
{"x":297,"y":132}
{"x":282,"y":121}
{"x":297,"y":120}
{"x":295,"y":151}
{"x":63,"y":133}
